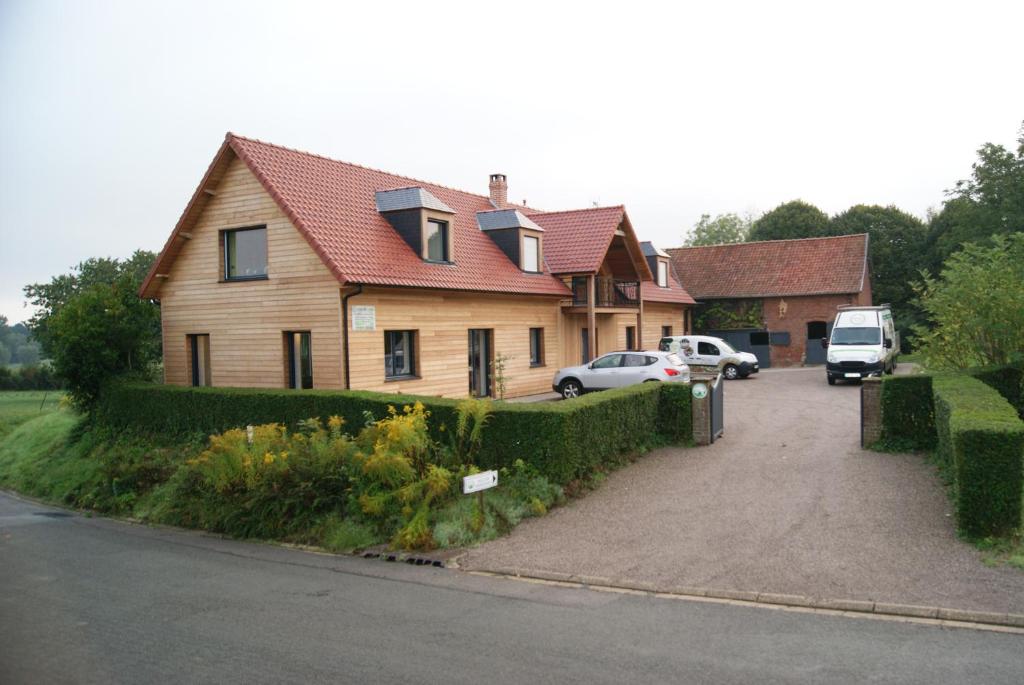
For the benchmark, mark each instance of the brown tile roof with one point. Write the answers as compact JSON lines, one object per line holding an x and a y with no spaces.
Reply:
{"x":674,"y":293}
{"x":808,"y":266}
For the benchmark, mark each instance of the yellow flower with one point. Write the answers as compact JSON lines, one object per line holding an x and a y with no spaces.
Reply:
{"x":284,"y":455}
{"x":268,"y":458}
{"x":335,"y":422}
{"x":246,"y":462}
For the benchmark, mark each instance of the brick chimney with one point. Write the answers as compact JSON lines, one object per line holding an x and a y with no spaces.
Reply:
{"x":499,"y":190}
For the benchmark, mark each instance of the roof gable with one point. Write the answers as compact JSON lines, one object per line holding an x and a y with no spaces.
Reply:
{"x":806,"y":266}
{"x":577,"y":240}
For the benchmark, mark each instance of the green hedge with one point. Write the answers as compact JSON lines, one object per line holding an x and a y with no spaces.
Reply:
{"x":908,"y":418}
{"x":981,"y":437}
{"x":1008,"y":380}
{"x":563,"y":440}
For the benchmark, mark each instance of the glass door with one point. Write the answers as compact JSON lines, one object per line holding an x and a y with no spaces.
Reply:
{"x":480,"y":362}
{"x":300,"y":360}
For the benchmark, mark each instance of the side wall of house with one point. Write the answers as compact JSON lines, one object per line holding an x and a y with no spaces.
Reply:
{"x":246,"y":319}
{"x":798,"y":312}
{"x":442,"y":320}
{"x":656,"y":315}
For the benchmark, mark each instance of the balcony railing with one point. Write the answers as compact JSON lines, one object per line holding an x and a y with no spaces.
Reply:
{"x":608,"y":292}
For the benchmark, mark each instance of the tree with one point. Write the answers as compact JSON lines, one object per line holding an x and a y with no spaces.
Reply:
{"x":50,"y":297}
{"x":990,"y":202}
{"x":724,"y":228}
{"x":976,"y":306}
{"x":896,"y":244}
{"x":796,"y":219}
{"x":103,"y":332}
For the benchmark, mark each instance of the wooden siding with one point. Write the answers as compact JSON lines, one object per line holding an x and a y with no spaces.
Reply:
{"x":246,"y":319}
{"x":442,"y":320}
{"x":656,"y":315}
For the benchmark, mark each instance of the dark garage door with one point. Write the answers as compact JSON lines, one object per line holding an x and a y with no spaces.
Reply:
{"x":814,"y":352}
{"x":751,"y":340}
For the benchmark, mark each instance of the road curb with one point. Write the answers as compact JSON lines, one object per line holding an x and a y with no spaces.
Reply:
{"x":940,"y":615}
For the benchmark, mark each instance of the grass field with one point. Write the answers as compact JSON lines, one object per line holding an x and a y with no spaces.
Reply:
{"x":19,"y":406}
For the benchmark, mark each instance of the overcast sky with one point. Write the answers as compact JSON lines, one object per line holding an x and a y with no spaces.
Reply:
{"x":111,"y":111}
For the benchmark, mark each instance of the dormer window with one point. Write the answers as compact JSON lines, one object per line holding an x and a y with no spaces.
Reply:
{"x":662,"y":273}
{"x":422,"y":220}
{"x":437,"y":241}
{"x":531,"y":253}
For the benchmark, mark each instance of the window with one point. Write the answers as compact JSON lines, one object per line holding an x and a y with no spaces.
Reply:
{"x":245,"y":254}
{"x":531,"y":253}
{"x":638,"y":360}
{"x":612,"y":361}
{"x":579,"y":289}
{"x":666,"y":331}
{"x":816,"y":330}
{"x":760,"y":338}
{"x":662,"y":274}
{"x":707,"y":348}
{"x":536,"y":347}
{"x":399,"y":354}
{"x":299,"y":359}
{"x":199,"y":359}
{"x":437,"y":241}
{"x":630,"y":337}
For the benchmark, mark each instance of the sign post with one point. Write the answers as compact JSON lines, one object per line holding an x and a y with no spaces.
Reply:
{"x":477,"y":483}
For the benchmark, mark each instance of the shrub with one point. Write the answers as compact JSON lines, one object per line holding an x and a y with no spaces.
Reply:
{"x":908,"y":417}
{"x":982,"y":439}
{"x":1008,"y":381}
{"x":562,"y":440}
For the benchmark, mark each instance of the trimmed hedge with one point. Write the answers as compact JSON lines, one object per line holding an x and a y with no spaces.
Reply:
{"x":563,"y":440}
{"x":908,"y":417}
{"x":1008,"y":380}
{"x":981,"y":437}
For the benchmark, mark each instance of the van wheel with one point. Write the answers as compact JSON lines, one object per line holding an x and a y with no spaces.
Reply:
{"x":831,"y":380}
{"x":891,"y":369}
{"x":570,"y":389}
{"x":731,"y":372}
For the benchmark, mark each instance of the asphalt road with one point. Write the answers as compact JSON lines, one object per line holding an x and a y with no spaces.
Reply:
{"x":88,"y":600}
{"x":787,"y":502}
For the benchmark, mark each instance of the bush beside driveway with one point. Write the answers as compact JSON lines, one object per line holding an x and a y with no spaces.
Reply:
{"x":786,"y":502}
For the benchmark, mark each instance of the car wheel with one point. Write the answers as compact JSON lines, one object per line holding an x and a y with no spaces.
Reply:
{"x":731,"y":372}
{"x":831,"y":380}
{"x":570,"y":389}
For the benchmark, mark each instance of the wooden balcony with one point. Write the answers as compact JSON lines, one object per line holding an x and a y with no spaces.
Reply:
{"x":609,"y":293}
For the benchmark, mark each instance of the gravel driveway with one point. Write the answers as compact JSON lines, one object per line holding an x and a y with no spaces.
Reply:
{"x":786,"y":502}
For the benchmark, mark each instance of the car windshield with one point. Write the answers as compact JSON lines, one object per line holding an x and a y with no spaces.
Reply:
{"x":665,"y":345}
{"x":857,"y":336}
{"x":674,"y":359}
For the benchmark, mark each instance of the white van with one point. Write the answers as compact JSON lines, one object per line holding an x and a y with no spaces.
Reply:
{"x":864,"y":343}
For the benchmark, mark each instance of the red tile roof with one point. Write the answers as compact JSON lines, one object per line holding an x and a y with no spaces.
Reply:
{"x":808,"y":266}
{"x":576,"y":241}
{"x":674,"y":293}
{"x":333,"y":205}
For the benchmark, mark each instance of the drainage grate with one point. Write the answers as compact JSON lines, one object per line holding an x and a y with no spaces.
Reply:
{"x":414,"y":561}
{"x":52,"y":514}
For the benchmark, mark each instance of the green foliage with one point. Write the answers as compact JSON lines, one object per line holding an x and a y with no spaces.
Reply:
{"x":50,"y":298}
{"x":675,"y":417}
{"x":102,"y":332}
{"x":990,"y":202}
{"x":981,"y":437}
{"x":723,"y":229}
{"x":1007,"y":380}
{"x":16,"y":344}
{"x":563,"y":440}
{"x":344,"y":535}
{"x":279,"y":486}
{"x":717,"y":315}
{"x":908,"y":420}
{"x":795,"y":219}
{"x":29,"y":377}
{"x":976,"y":307}
{"x":896,"y":250}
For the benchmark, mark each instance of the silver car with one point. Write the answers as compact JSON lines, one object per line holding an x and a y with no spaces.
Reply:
{"x":617,"y":369}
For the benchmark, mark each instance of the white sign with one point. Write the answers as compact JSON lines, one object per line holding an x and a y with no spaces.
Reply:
{"x":364,"y":318}
{"x":479,"y":481}
{"x":700,"y":391}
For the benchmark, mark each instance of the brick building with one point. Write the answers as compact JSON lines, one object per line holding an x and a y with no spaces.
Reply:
{"x":775,"y":298}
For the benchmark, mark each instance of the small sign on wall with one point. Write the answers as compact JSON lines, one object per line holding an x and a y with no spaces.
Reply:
{"x":364,"y":318}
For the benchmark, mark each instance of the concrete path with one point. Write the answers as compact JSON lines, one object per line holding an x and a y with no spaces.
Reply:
{"x":89,"y":600}
{"x":786,"y":502}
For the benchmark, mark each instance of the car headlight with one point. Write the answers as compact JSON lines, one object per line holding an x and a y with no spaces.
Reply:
{"x":833,"y":359}
{"x":873,"y":357}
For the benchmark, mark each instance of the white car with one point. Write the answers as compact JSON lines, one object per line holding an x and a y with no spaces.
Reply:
{"x":706,"y":350}
{"x":618,"y":369}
